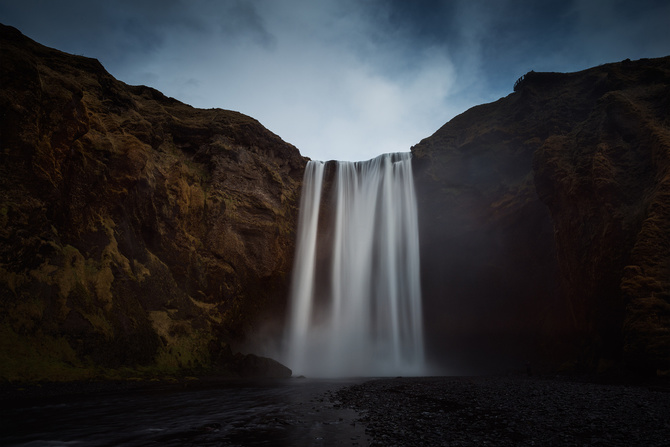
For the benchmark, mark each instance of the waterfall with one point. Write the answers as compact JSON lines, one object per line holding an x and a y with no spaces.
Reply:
{"x":355,"y":304}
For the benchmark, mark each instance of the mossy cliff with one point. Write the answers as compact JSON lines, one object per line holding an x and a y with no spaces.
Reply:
{"x":546,"y":222}
{"x":136,"y":232}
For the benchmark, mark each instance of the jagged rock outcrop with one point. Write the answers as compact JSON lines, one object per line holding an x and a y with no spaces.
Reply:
{"x":546,"y":221}
{"x":135,"y":230}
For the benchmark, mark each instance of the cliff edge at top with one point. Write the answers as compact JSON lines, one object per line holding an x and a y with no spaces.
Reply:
{"x":135,"y":231}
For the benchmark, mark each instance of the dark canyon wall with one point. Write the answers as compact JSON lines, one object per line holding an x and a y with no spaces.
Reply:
{"x":545,"y":223}
{"x":135,"y":231}
{"x":138,"y":234}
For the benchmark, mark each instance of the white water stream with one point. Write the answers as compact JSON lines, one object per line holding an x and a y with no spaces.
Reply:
{"x":356,"y":294}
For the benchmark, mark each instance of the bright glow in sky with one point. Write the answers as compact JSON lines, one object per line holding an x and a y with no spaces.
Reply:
{"x":344,"y":79}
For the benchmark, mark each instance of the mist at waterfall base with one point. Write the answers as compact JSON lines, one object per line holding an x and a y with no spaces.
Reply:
{"x":355,"y":302}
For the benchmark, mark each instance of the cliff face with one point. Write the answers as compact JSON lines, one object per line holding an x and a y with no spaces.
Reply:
{"x":135,"y":231}
{"x":546,"y":221}
{"x":138,"y":234}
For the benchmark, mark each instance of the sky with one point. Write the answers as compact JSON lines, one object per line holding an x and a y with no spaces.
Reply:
{"x":344,"y":79}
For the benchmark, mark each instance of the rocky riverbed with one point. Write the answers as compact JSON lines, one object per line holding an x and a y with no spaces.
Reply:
{"x":438,"y":411}
{"x":509,"y":411}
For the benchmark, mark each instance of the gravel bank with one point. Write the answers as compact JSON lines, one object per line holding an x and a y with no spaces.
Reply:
{"x":509,"y":411}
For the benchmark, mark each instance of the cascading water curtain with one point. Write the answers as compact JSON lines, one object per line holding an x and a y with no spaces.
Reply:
{"x":356,"y":294}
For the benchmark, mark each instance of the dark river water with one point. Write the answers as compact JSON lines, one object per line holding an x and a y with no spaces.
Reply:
{"x":290,"y":412}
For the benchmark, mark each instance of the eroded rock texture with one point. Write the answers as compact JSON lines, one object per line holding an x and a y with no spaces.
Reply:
{"x":135,"y":230}
{"x":546,"y":222}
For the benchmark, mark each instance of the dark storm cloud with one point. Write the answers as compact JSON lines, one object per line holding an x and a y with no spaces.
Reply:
{"x":242,"y":18}
{"x":506,"y":38}
{"x":612,"y":30}
{"x":125,"y":29}
{"x":344,"y":79}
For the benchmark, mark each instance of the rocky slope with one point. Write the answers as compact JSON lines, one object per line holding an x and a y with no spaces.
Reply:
{"x":546,"y":223}
{"x":135,"y":231}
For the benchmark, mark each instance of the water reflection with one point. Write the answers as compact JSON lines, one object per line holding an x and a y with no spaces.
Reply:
{"x":291,"y":412}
